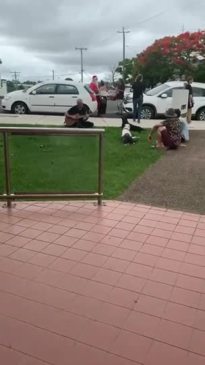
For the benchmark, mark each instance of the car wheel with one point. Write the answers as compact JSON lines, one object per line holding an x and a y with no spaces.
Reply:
{"x":200,"y":115}
{"x":147,"y":112}
{"x":19,"y":108}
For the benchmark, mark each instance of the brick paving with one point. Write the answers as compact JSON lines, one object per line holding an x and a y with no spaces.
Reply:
{"x":121,"y":284}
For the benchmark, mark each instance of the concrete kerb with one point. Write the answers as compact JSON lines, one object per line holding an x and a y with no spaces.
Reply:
{"x":51,"y":120}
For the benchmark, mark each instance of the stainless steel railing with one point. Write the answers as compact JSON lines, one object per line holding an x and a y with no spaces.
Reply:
{"x":8,"y":196}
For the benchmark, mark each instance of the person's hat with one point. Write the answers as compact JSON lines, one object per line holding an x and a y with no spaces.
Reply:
{"x":170,"y":113}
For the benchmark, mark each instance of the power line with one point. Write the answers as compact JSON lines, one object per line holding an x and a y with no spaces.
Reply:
{"x":151,"y":17}
{"x":123,"y":32}
{"x":81,"y":49}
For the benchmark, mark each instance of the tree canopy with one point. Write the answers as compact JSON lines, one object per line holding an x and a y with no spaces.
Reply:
{"x":170,"y":57}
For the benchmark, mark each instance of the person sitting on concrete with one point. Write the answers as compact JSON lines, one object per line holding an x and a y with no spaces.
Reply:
{"x":126,"y":135}
{"x":77,"y":116}
{"x":168,"y":132}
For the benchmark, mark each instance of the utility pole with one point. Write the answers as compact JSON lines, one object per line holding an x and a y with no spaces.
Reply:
{"x":53,"y":74}
{"x":16,"y":74}
{"x":81,"y":49}
{"x":123,"y":32}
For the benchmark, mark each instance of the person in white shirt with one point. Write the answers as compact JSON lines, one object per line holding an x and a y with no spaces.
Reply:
{"x":184,"y":125}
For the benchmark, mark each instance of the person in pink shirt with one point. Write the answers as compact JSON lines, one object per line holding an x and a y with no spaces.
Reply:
{"x":95,"y":88}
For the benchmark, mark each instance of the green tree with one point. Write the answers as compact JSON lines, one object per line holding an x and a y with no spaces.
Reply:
{"x":199,"y":73}
{"x":126,"y":69}
{"x":171,"y":56}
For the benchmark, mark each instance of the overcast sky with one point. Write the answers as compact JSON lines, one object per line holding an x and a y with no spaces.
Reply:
{"x":38,"y":36}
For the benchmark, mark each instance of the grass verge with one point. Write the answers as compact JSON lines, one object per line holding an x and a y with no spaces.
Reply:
{"x":71,"y":163}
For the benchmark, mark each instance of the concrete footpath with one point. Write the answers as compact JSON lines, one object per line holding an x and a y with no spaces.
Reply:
{"x":51,"y":120}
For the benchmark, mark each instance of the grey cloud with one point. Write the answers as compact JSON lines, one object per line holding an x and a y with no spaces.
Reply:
{"x":51,"y":29}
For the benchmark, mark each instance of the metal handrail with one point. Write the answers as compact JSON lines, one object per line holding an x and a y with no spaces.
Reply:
{"x":9,"y":196}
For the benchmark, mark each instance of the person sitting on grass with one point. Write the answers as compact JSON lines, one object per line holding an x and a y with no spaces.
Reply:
{"x":168,"y":132}
{"x":77,"y":116}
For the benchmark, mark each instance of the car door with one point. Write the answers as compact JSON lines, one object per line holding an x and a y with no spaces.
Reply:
{"x":42,"y":99}
{"x":164,"y":99}
{"x":199,"y":98}
{"x":66,"y":97}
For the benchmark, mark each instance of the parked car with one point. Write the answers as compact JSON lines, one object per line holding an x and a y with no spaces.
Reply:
{"x":158,"y":100}
{"x":49,"y":97}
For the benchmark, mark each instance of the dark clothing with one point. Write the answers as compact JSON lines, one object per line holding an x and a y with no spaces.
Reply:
{"x":120,"y":92}
{"x":98,"y":99}
{"x":103,"y":105}
{"x":137,"y":108}
{"x":189,"y":87}
{"x":138,"y":89}
{"x":82,"y":122}
{"x":133,"y":128}
{"x":127,"y":139}
{"x":81,"y":111}
{"x":171,"y":136}
{"x":190,"y":99}
{"x":167,"y":141}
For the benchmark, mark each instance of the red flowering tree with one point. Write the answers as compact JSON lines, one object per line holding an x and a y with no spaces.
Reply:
{"x":175,"y":55}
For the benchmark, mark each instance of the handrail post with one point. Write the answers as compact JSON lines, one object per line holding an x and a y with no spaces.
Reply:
{"x":7,"y":168}
{"x":100,"y":168}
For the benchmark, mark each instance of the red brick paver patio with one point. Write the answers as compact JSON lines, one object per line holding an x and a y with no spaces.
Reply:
{"x":121,"y":284}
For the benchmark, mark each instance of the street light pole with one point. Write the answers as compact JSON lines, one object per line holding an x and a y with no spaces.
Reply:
{"x":81,"y":49}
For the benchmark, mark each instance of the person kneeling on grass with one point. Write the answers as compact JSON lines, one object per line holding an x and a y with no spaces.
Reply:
{"x":77,"y":116}
{"x":168,"y":132}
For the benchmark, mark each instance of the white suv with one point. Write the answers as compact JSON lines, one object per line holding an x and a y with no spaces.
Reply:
{"x":49,"y":97}
{"x":156,"y":101}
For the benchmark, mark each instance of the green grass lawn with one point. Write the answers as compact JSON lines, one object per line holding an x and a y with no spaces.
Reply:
{"x":70,"y":163}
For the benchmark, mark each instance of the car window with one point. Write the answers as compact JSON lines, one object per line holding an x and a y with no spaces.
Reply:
{"x":88,"y":89}
{"x":67,"y":89}
{"x":46,"y":89}
{"x":198,"y":92}
{"x":170,"y":91}
{"x":157,"y":90}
